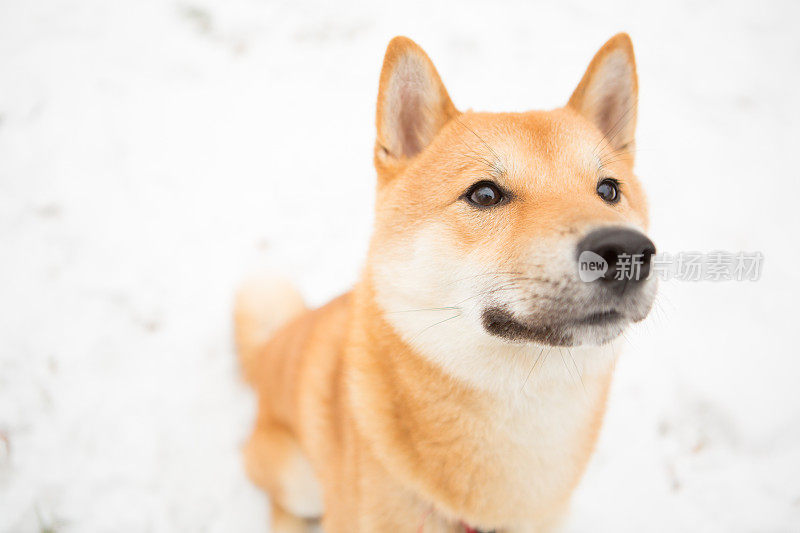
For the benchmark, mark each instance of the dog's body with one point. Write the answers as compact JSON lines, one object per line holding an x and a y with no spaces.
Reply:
{"x":461,"y":384}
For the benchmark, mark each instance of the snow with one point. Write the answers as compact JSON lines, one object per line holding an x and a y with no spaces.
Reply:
{"x":153,"y":152}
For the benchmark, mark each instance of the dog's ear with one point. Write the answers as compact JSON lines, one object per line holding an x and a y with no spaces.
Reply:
{"x":413,"y":104}
{"x":608,"y":92}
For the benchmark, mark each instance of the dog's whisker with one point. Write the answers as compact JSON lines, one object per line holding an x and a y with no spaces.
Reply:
{"x":561,"y":354}
{"x":499,"y":273}
{"x":489,"y":291}
{"x":483,"y":141}
{"x":577,"y":370}
{"x":447,"y":308}
{"x":434,"y":324}
{"x":535,"y":361}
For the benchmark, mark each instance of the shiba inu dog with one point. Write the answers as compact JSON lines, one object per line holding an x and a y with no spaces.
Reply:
{"x":461,"y":384}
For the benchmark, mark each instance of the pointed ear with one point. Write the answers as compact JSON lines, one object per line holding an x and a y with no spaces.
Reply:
{"x":608,"y":92}
{"x":413,"y":104}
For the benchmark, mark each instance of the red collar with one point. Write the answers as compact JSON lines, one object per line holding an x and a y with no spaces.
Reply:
{"x":468,"y":529}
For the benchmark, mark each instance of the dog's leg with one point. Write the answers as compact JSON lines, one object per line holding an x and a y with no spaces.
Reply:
{"x":275,"y":462}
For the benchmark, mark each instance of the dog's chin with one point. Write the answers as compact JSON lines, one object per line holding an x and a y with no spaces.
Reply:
{"x":592,"y":328}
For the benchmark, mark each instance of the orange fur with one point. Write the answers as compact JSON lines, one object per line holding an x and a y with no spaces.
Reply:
{"x":398,"y":437}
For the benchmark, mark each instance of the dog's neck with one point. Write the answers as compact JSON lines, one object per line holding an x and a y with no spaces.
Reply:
{"x":429,"y":416}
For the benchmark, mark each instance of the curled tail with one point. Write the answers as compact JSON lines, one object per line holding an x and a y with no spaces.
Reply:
{"x":262,"y":305}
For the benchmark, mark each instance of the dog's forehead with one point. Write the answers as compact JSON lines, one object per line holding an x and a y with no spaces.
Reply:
{"x":533,"y":146}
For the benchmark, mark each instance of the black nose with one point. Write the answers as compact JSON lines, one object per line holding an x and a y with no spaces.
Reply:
{"x":627,"y":252}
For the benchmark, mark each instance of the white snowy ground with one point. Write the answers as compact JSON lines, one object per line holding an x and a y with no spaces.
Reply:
{"x":153,"y":152}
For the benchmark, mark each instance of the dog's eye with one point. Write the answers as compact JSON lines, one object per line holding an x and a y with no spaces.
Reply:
{"x":608,"y":190}
{"x":484,"y":194}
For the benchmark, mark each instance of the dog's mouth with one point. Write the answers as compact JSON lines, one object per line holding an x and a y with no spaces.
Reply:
{"x":601,"y":318}
{"x":597,"y":327}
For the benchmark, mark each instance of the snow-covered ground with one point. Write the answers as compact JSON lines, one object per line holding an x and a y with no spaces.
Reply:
{"x":152,"y":152}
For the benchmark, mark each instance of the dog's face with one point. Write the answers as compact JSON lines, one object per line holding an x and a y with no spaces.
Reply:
{"x":483,"y":220}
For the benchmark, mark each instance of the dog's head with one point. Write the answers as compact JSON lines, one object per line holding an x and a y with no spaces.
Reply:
{"x":513,"y":227}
